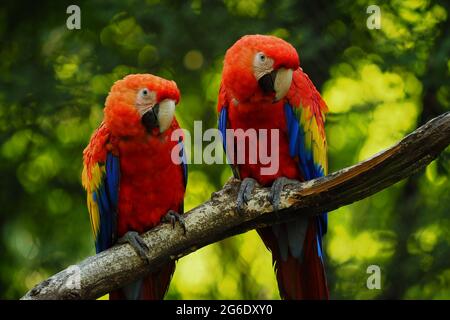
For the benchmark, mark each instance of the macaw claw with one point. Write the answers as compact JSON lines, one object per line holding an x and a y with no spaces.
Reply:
{"x":276,"y":189}
{"x":135,"y":240}
{"x":172,"y":217}
{"x":245,"y":193}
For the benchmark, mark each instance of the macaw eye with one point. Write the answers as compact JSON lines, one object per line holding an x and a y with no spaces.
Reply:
{"x":144,"y":93}
{"x":261,"y":57}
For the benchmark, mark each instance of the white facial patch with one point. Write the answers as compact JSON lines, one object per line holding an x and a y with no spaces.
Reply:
{"x":261,"y":65}
{"x":145,"y":100}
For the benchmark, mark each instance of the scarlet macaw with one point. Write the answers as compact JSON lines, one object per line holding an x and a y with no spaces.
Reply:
{"x":263,"y":87}
{"x":131,"y":181}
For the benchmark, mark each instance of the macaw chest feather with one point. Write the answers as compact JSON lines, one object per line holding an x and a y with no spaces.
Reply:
{"x":269,"y":116}
{"x":150,"y":184}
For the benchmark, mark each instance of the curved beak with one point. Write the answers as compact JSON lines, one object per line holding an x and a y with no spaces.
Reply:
{"x":160,"y":115}
{"x":283,"y":82}
{"x":278,"y":82}
{"x":166,"y":113}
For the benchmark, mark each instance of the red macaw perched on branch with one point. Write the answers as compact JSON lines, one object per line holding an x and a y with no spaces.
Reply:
{"x":263,"y":87}
{"x":131,"y":181}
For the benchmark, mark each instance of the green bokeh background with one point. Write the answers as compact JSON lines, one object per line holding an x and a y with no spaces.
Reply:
{"x":378,"y":84}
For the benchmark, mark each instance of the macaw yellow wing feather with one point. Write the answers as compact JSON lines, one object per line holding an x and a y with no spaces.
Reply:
{"x":100,"y":178}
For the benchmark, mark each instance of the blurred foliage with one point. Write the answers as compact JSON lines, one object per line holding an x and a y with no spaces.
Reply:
{"x":379,"y":85}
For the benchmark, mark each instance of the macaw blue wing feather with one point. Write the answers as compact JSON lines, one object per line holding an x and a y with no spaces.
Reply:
{"x":223,"y":122}
{"x":183,"y":162}
{"x":184,"y":168}
{"x":104,"y":205}
{"x":301,"y":142}
{"x":223,"y":118}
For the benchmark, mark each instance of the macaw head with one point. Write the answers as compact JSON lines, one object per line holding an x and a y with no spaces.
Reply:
{"x":140,"y":104}
{"x":261,"y":66}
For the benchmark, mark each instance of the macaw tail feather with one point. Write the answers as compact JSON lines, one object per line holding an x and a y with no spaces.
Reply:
{"x":152,"y":287}
{"x":298,"y":278}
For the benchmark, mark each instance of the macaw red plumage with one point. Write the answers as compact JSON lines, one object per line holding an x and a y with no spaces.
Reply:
{"x":131,"y":181}
{"x":263,"y":87}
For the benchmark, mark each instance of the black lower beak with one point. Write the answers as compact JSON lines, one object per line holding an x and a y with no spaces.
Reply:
{"x":150,"y":118}
{"x":267,"y":82}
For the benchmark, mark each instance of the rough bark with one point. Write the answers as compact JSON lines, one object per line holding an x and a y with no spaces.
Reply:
{"x":217,"y":218}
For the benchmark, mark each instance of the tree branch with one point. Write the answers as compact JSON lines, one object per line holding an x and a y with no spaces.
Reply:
{"x":217,"y":219}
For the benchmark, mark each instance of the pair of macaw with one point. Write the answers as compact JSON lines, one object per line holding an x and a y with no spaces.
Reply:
{"x":132,"y":183}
